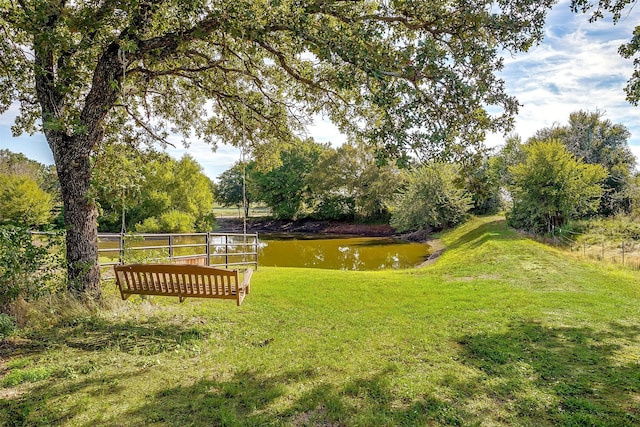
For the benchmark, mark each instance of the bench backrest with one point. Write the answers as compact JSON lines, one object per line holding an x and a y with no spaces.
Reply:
{"x":177,"y":280}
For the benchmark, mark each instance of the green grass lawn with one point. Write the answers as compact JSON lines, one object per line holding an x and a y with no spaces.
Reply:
{"x":500,"y":330}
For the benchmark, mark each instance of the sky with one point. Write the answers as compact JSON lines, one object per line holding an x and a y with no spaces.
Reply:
{"x":576,"y":67}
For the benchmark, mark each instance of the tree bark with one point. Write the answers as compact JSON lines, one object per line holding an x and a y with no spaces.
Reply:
{"x":80,"y":217}
{"x":72,"y":153}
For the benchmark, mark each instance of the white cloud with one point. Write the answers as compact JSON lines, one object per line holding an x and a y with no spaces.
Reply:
{"x":577,"y":67}
{"x":323,"y":130}
{"x":212,"y":162}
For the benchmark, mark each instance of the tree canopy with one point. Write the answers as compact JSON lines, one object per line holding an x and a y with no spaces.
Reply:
{"x":348,"y":182}
{"x":416,"y":75}
{"x":151,"y":192}
{"x":284,"y":188}
{"x":233,"y":188}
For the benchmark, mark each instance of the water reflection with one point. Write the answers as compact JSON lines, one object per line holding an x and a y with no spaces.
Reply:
{"x":339,"y":252}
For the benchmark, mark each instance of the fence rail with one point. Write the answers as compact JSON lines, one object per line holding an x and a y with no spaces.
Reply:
{"x":211,"y":249}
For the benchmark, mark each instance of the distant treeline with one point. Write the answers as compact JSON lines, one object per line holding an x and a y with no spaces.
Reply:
{"x":574,"y":171}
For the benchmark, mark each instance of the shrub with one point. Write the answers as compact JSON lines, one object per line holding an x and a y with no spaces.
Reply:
{"x":149,"y":225}
{"x":431,"y":200}
{"x":205,"y":223}
{"x":23,"y":202}
{"x":7,"y":325}
{"x":169,"y":222}
{"x":551,"y":187}
{"x":335,"y":207}
{"x":28,"y":269}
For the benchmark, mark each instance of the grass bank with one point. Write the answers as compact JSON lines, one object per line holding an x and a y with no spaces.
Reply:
{"x":500,"y":330}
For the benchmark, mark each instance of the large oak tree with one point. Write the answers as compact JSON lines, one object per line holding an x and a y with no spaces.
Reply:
{"x":404,"y":74}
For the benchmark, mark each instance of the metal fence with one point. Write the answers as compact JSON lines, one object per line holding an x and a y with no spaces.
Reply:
{"x":227,"y":250}
{"x":213,"y":249}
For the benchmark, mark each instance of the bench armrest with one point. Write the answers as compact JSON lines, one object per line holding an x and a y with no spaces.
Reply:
{"x":244,"y":287}
{"x":246,"y":281}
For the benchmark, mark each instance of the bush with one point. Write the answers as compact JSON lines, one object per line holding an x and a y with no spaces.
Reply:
{"x":205,"y":223}
{"x":620,"y":227}
{"x":149,"y":225}
{"x":431,"y":200}
{"x":23,"y":202}
{"x":169,"y":222}
{"x":335,"y":207}
{"x":551,"y":187}
{"x":28,"y":269}
{"x":7,"y":325}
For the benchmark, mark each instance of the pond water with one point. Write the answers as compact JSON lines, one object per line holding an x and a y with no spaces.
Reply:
{"x":340,"y":252}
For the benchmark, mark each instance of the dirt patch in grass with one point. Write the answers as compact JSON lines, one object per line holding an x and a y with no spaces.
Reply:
{"x":438,"y":249}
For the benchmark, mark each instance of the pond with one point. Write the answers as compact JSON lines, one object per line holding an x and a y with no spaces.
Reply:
{"x":281,"y":250}
{"x":340,"y":252}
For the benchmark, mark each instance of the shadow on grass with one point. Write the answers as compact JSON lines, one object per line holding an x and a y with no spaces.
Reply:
{"x":565,"y":375}
{"x":494,"y":230}
{"x":95,"y":334}
{"x":254,"y":399}
{"x":528,"y":375}
{"x":38,"y":407}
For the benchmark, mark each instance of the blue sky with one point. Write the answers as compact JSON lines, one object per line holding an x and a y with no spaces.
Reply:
{"x":577,"y":67}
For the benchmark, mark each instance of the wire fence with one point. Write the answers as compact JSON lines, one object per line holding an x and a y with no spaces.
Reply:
{"x":617,"y":251}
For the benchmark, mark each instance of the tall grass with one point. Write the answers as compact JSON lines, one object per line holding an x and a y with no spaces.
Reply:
{"x":614,"y":239}
{"x":501,"y":330}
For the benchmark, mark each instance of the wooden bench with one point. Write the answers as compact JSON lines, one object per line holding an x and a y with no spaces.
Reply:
{"x":182,"y":281}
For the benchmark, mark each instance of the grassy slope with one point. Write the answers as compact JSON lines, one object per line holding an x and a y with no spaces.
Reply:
{"x":499,"y":331}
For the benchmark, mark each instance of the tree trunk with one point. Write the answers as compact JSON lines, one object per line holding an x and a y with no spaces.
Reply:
{"x":71,"y":152}
{"x":80,"y":217}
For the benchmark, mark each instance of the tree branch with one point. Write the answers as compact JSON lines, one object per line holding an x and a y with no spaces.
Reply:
{"x":144,"y":126}
{"x":170,"y":41}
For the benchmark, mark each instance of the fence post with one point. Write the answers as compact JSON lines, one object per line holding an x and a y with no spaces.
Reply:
{"x":584,"y":248}
{"x":208,"y":237}
{"x":226,"y":250}
{"x":255,"y":248}
{"x":121,"y":248}
{"x":623,"y":252}
{"x":170,"y":247}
